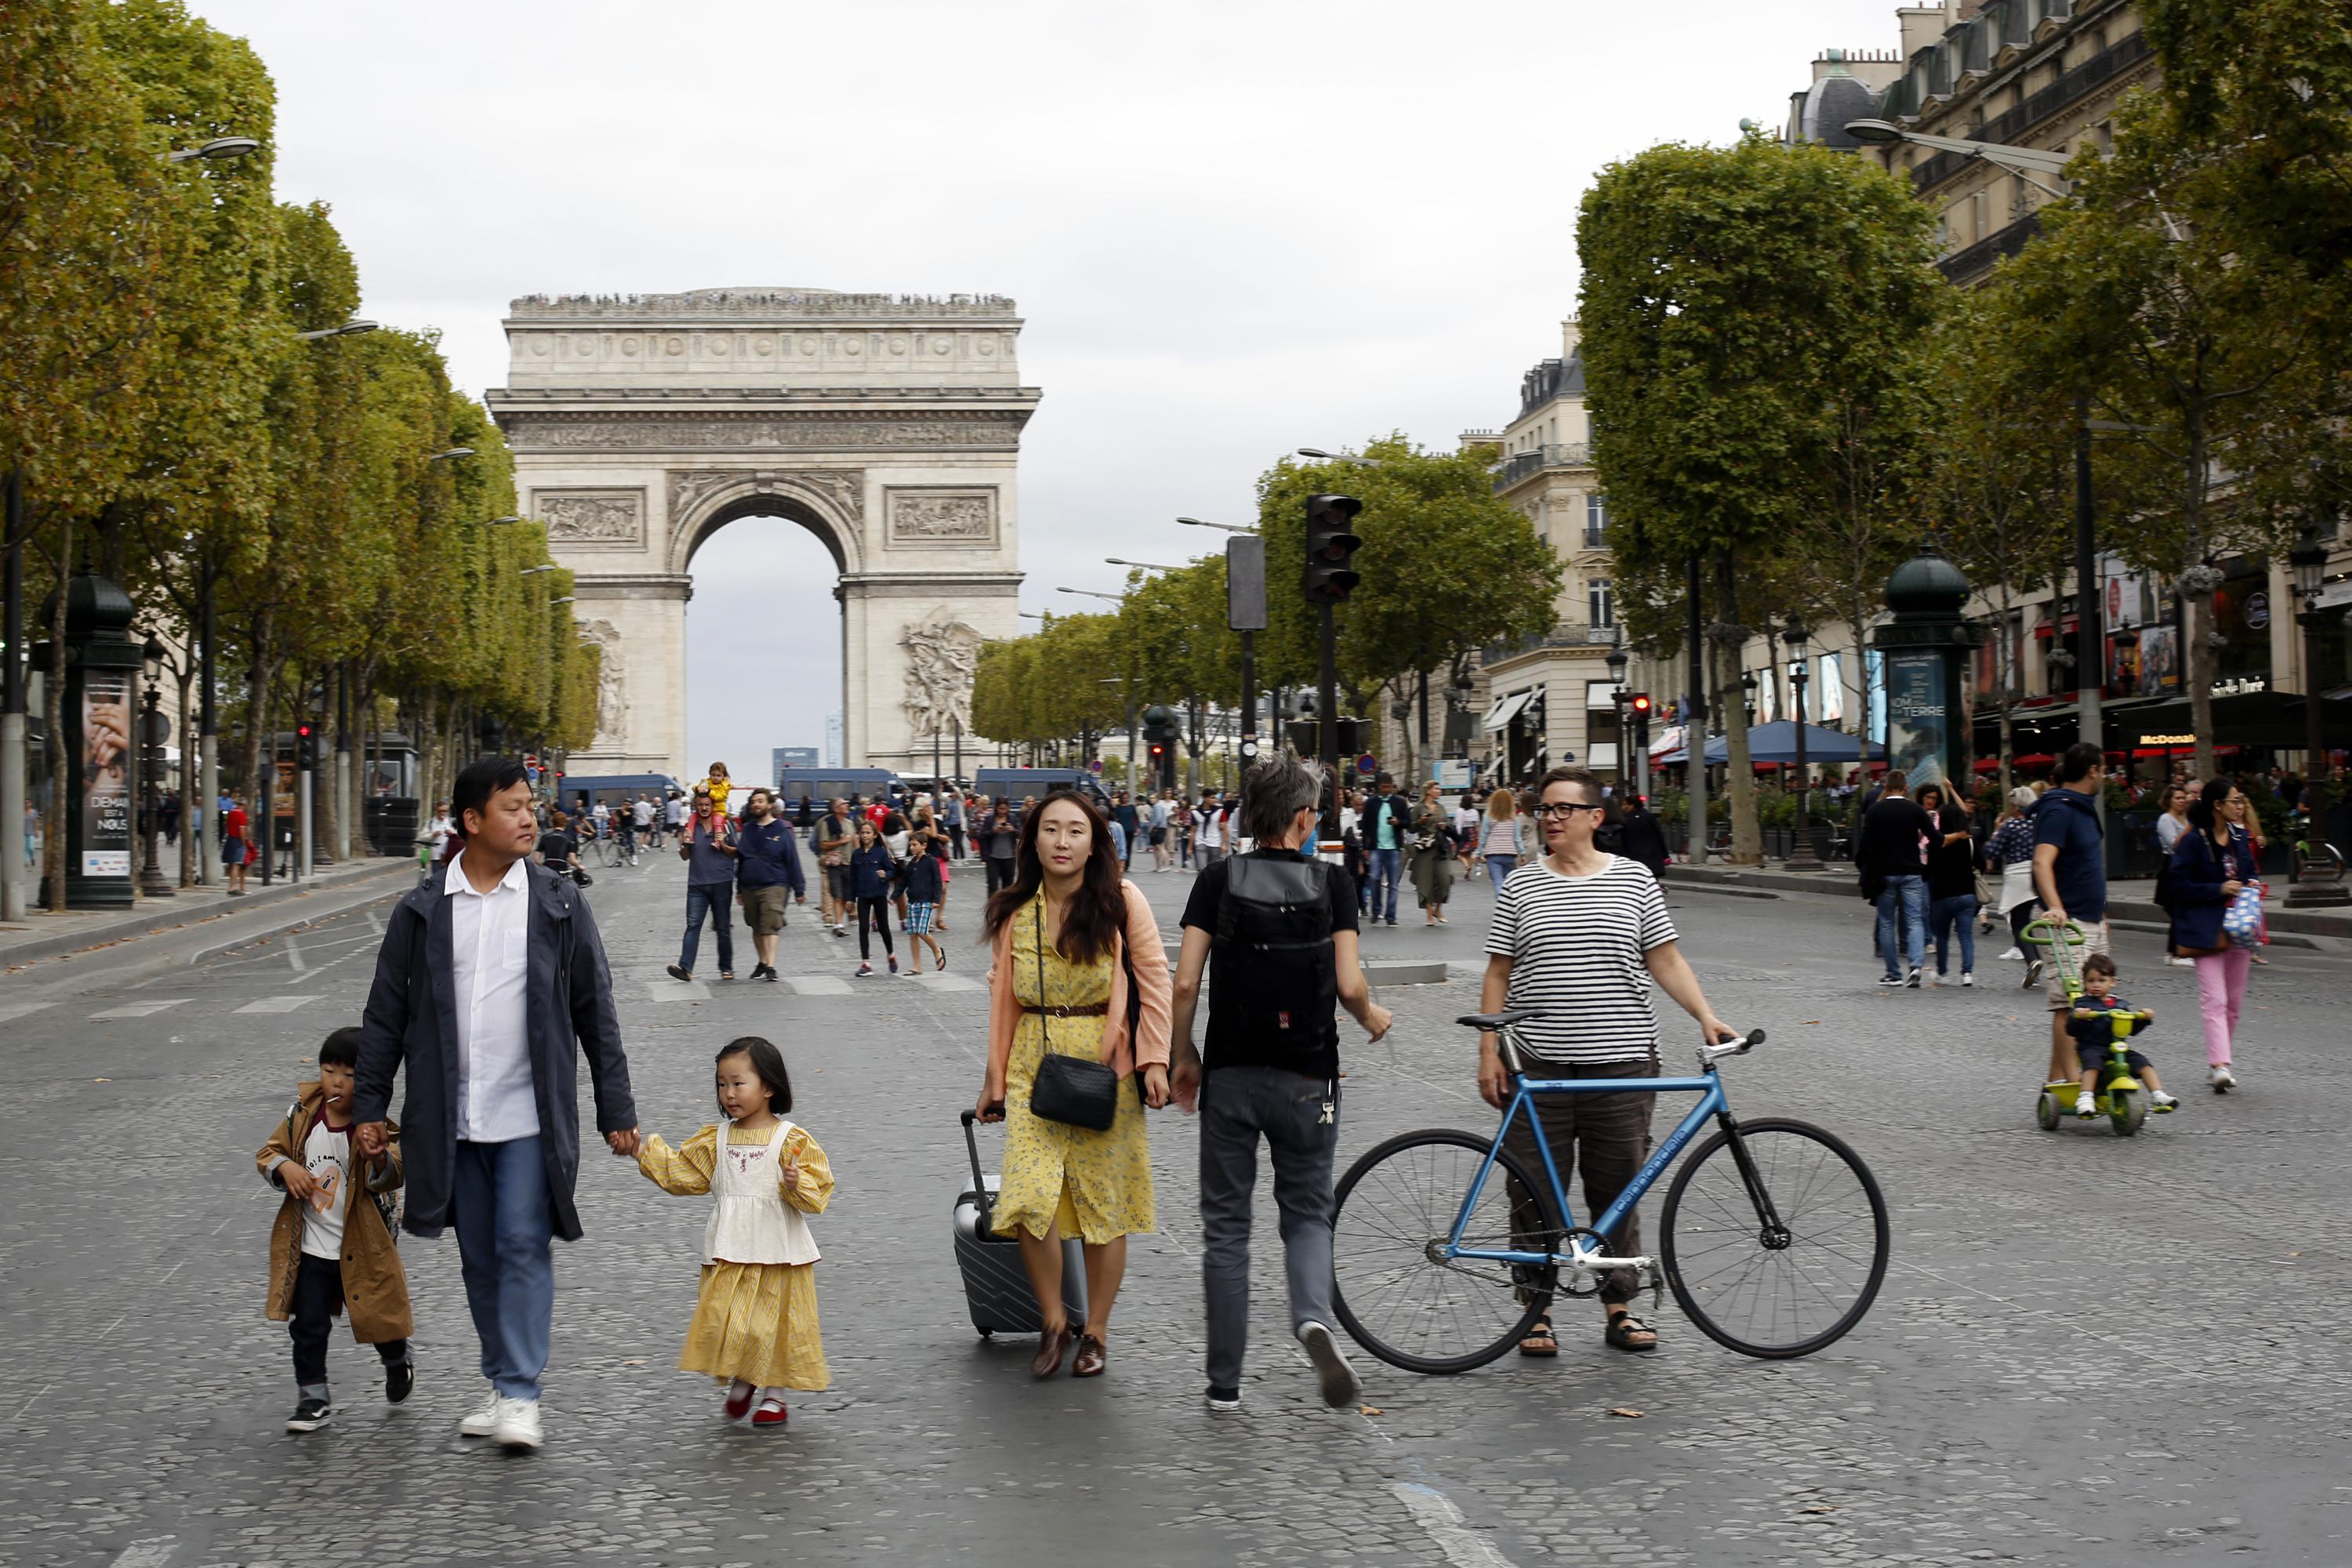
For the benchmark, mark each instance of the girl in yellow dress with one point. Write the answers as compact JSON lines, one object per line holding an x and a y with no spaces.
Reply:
{"x":755,"y":1325}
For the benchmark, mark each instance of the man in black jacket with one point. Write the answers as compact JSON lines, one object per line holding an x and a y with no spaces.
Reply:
{"x":1387,"y":827}
{"x":491,"y":977}
{"x":1640,"y":838}
{"x":1893,"y":855}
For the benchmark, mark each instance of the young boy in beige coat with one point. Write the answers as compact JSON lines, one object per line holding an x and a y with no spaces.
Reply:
{"x":331,"y":1250}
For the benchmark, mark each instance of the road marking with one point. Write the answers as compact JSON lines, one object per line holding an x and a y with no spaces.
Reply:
{"x":819,"y":985}
{"x":276,"y":1004}
{"x":21,"y":1009}
{"x":140,"y":1009}
{"x":294,"y":956}
{"x":152,"y":1553}
{"x":1463,"y":1547}
{"x":937,"y":981}
{"x":668,"y":990}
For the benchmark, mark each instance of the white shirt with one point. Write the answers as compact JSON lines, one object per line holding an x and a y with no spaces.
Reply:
{"x":327,"y":1156}
{"x":1212,"y":829}
{"x":643,"y":814}
{"x":490,"y":948}
{"x":441,"y":827}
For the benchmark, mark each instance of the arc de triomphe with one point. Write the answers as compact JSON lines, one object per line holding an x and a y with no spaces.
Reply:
{"x":888,"y":427}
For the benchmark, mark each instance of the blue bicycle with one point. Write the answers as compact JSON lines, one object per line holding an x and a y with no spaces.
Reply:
{"x":1773,"y":1236}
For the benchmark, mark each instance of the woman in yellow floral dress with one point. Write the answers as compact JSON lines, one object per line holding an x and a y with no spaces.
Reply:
{"x":1068,"y":933}
{"x":755,"y":1323}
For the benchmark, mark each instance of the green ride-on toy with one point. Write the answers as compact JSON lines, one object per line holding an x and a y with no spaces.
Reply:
{"x":2122,"y":1098}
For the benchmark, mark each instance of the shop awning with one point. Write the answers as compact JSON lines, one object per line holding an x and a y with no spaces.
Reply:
{"x":1506,"y":709}
{"x":1775,"y":743}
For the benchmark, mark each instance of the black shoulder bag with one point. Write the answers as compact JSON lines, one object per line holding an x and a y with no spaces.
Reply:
{"x":1069,"y":1090}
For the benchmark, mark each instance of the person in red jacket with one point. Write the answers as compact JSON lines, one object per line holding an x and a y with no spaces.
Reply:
{"x":237,"y":848}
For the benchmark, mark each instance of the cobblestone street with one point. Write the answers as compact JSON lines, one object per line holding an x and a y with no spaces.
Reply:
{"x":2089,"y":1350}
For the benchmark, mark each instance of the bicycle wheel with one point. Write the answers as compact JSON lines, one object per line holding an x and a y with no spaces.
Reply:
{"x":1396,"y":1293}
{"x":1780,"y":1291}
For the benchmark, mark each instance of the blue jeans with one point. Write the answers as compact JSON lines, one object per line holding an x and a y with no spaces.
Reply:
{"x":506,"y":1251}
{"x":1381,"y":866}
{"x":1499,"y":867}
{"x":1911,"y":894}
{"x":718,"y":899}
{"x":1942,"y":914}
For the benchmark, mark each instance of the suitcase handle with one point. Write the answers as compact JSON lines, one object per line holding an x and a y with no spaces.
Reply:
{"x":978,"y":1182}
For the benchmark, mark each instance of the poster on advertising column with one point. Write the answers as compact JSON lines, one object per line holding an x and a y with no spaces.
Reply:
{"x":1916,"y":718}
{"x":105,"y":774}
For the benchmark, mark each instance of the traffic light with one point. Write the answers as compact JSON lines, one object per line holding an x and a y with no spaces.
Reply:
{"x":1638,"y":705}
{"x":1332,"y":545}
{"x":305,"y":747}
{"x":1160,"y":728}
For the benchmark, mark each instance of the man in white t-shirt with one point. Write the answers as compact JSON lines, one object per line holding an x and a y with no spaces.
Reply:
{"x":1208,"y":830}
{"x":641,"y":814}
{"x":1583,"y":934}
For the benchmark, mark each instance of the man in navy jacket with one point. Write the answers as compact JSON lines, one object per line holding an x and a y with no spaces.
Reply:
{"x":490,"y":981}
{"x":767,"y":866}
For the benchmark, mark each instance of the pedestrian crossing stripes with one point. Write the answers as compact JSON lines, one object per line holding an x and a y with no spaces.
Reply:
{"x":666,"y":990}
{"x":21,"y":1009}
{"x":139,"y":1009}
{"x":277,"y":1004}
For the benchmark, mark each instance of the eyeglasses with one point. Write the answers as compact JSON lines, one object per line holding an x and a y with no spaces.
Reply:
{"x":1569,"y":809}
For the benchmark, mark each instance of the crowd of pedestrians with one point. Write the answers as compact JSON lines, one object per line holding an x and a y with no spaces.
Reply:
{"x":2045,"y":857}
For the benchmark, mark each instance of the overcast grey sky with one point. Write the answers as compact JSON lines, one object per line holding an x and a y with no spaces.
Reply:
{"x":1233,"y":228}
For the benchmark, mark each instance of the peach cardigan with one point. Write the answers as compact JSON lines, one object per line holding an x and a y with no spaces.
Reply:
{"x":1150,"y":957}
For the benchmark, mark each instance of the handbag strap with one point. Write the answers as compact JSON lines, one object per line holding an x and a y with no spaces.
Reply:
{"x":1044,"y":1028}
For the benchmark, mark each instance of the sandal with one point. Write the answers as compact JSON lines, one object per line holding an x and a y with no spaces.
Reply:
{"x":1622,"y":1330}
{"x":1540,"y":1340}
{"x":943,"y":959}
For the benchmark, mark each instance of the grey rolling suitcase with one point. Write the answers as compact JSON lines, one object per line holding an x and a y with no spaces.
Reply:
{"x":994,"y":1283}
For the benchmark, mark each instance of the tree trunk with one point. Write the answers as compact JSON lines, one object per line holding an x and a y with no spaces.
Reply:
{"x":1746,"y":836}
{"x":193,"y":818}
{"x":62,"y":767}
{"x":2196,"y":669}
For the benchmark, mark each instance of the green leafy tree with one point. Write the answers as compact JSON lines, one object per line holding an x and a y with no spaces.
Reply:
{"x":1446,"y":566}
{"x":2203,"y":350}
{"x":1738,"y":303}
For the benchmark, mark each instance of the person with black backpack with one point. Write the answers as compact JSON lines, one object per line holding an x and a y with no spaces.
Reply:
{"x":1276,"y":930}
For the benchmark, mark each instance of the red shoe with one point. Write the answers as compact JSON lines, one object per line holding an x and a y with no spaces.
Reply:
{"x":739,"y":1400}
{"x":771,"y":1413}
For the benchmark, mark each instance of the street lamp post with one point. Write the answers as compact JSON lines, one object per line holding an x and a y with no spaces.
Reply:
{"x":2308,"y":560}
{"x":1794,"y":636}
{"x":1617,"y":661}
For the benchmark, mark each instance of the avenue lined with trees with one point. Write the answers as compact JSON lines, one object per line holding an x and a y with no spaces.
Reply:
{"x":189,"y":409}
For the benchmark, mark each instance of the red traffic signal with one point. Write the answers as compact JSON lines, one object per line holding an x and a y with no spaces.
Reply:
{"x":1639,"y":704}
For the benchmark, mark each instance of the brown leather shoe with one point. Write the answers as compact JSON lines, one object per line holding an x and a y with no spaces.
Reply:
{"x":1051,"y":1345}
{"x":1091,"y":1355}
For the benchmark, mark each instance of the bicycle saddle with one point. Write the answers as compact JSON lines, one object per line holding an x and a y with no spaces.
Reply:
{"x":1503,"y":1019}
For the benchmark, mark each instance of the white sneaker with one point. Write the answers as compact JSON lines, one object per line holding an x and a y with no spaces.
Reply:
{"x":2087,"y":1107}
{"x":1967,"y":977}
{"x":2222,"y":1080}
{"x":2013,"y":954}
{"x":518,"y":1424}
{"x":483,"y":1422}
{"x":1338,"y":1379}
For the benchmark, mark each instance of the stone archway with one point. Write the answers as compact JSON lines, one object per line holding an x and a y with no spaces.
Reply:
{"x":888,"y":427}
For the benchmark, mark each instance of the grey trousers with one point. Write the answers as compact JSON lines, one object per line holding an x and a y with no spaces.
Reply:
{"x":1239,"y":1105}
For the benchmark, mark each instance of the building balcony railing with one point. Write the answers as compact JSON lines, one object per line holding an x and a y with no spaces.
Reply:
{"x":1970,"y":260}
{"x":1534,"y":460}
{"x":1568,"y":634}
{"x":2063,"y":93}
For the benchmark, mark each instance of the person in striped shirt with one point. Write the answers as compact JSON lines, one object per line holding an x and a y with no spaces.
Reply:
{"x":1583,"y":934}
